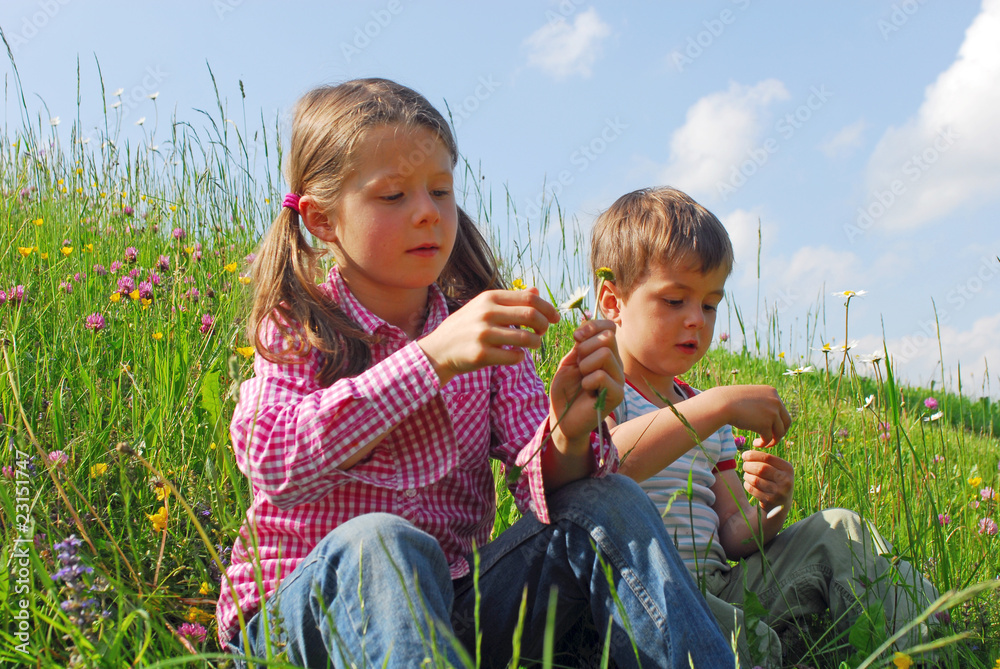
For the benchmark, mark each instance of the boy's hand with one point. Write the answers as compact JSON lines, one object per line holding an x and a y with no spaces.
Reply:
{"x":488,"y":330}
{"x":768,"y":478}
{"x":755,"y":408}
{"x":592,"y":365}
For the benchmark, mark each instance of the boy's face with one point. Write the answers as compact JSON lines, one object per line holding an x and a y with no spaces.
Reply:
{"x":666,"y":325}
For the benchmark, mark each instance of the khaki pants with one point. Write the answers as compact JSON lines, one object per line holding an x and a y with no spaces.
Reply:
{"x":832,"y":560}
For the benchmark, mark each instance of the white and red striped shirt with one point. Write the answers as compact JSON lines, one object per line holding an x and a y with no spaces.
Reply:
{"x":432,"y":468}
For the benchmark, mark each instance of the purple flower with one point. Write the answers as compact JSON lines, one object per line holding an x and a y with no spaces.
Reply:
{"x":178,"y":233}
{"x":115,"y":266}
{"x":16,"y":294}
{"x":191,"y":294}
{"x":741,"y":441}
{"x":931,"y":403}
{"x":944,"y":518}
{"x":99,"y":270}
{"x":154,"y":278}
{"x":3,"y":297}
{"x":193,"y":632}
{"x":126,"y":284}
{"x":135,"y":272}
{"x":987,"y":493}
{"x":207,"y":323}
{"x":131,"y":254}
{"x":58,"y":459}
{"x":250,"y":258}
{"x":988,"y":526}
{"x":723,"y":337}
{"x":843,"y":433}
{"x":164,"y":263}
{"x":8,"y":471}
{"x":94,"y":322}
{"x":146,"y":290}
{"x":66,"y":286}
{"x":128,"y":210}
{"x":78,"y":277}
{"x":937,"y":459}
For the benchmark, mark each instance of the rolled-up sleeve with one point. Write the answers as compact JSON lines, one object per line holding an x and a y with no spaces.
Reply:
{"x":520,"y":413}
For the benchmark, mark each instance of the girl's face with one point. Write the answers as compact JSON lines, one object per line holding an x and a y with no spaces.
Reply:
{"x":396,"y":219}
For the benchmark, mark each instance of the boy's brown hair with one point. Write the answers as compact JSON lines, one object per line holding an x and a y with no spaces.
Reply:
{"x":657,"y":225}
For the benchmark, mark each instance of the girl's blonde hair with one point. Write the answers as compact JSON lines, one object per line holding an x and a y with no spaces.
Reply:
{"x":330,"y":123}
{"x":657,"y":225}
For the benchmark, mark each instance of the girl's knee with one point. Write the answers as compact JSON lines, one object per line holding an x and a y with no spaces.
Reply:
{"x":614,"y":500}
{"x":377,"y":536}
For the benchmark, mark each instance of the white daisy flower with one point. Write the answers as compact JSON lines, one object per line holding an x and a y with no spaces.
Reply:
{"x":575,"y":300}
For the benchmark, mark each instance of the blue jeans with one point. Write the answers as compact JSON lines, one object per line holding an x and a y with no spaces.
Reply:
{"x":397,"y":605}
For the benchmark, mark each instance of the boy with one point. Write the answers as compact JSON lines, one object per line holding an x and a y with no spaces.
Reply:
{"x":671,"y":258}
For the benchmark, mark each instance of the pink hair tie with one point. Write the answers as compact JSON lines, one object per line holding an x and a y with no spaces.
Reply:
{"x":292,"y":202}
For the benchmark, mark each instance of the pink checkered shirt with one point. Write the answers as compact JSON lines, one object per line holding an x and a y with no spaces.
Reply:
{"x":432,"y":468}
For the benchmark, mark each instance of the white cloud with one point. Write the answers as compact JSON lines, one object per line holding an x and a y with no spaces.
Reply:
{"x":917,"y":361}
{"x":719,"y":131}
{"x":948,"y":154}
{"x":813,"y":268}
{"x":845,"y":141}
{"x":561,"y":49}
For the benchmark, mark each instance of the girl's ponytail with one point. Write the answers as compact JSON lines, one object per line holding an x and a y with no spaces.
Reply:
{"x":285,"y":293}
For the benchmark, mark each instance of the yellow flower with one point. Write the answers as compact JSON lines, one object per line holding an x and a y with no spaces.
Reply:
{"x":902,"y":660}
{"x":66,"y":250}
{"x":134,"y":294}
{"x":162,"y":492}
{"x":100,"y":469}
{"x":79,"y":170}
{"x":205,"y":588}
{"x":975,"y":481}
{"x":115,"y":297}
{"x":196,"y":615}
{"x":39,"y":221}
{"x":245,"y":351}
{"x":245,"y":280}
{"x":79,"y":191}
{"x":173,"y":207}
{"x":189,"y":250}
{"x":25,"y":250}
{"x":231,"y":267}
{"x":43,"y":256}
{"x":145,"y":302}
{"x":157,"y":336}
{"x":518,"y":285}
{"x":159,"y":519}
{"x":211,"y":446}
{"x":781,"y":356}
{"x":605,"y":274}
{"x":60,"y":182}
{"x":104,"y":193}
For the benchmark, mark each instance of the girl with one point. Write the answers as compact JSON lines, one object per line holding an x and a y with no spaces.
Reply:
{"x":378,"y":398}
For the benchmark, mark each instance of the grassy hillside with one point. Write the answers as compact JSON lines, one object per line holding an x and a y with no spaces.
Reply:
{"x":125,"y":275}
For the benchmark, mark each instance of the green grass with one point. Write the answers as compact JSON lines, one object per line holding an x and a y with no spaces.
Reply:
{"x":142,"y":405}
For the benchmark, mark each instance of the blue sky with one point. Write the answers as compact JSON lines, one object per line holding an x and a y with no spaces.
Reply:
{"x":862,"y":135}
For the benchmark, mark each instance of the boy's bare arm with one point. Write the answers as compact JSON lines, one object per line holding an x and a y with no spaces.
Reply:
{"x":655,"y":440}
{"x":767,"y":478}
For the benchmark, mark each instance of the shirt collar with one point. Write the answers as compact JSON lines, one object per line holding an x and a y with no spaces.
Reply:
{"x":437,"y":306}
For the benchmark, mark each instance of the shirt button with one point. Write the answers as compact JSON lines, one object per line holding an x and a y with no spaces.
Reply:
{"x":410,"y":493}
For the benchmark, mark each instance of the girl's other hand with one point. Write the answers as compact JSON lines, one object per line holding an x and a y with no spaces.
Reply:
{"x":491,"y":329}
{"x":591,"y":366}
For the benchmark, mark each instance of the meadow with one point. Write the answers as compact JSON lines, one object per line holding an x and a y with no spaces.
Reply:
{"x":124,"y":285}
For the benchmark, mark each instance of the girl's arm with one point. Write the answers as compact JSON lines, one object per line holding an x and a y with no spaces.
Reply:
{"x":767,"y":478}
{"x":294,"y":439}
{"x":649,"y":443}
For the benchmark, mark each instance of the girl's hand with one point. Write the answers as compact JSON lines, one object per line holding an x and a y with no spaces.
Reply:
{"x":591,"y":366}
{"x":488,"y":331}
{"x":755,"y":408}
{"x":768,"y":478}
